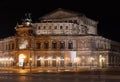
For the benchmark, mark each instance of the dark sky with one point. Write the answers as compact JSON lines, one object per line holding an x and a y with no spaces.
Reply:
{"x":107,"y":13}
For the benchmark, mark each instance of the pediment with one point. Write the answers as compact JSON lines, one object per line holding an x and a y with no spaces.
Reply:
{"x":60,"y":13}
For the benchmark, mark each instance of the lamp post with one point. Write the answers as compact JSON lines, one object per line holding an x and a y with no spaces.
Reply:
{"x":30,"y":64}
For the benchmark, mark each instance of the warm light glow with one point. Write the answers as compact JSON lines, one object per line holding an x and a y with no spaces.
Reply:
{"x":92,"y":59}
{"x":101,"y":60}
{"x":27,"y":23}
{"x":22,"y":56}
{"x":23,"y":44}
{"x":30,"y":59}
{"x":23,"y":71}
{"x":11,"y":59}
{"x":76,"y":59}
{"x":67,"y":59}
{"x":49,"y":58}
{"x":21,"y":59}
{"x":72,"y":56}
{"x":58,"y":58}
{"x":6,"y":59}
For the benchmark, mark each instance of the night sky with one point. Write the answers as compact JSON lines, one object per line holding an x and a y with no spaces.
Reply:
{"x":107,"y":13}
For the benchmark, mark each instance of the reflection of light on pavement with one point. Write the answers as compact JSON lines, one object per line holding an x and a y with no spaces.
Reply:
{"x":45,"y":71}
{"x":40,"y":71}
{"x":23,"y":71}
{"x":22,"y":78}
{"x":67,"y":70}
{"x":48,"y":70}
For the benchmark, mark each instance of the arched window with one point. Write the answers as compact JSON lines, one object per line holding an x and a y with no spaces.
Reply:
{"x":44,"y":27}
{"x":55,"y":27}
{"x":66,"y":27}
{"x":46,"y":45}
{"x":61,"y":27}
{"x":12,"y":46}
{"x":38,"y":45}
{"x":70,"y":45}
{"x":46,"y":61}
{"x":54,"y":45}
{"x":61,"y":60}
{"x":39,"y":27}
{"x":62,"y":44}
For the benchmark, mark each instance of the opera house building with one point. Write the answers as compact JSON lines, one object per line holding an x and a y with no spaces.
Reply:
{"x":60,"y":38}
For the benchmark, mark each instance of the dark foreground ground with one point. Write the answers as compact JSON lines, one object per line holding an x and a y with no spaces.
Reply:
{"x":45,"y":75}
{"x":58,"y":77}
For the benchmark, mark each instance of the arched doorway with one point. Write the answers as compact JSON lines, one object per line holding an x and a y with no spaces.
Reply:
{"x":101,"y":61}
{"x":21,"y":60}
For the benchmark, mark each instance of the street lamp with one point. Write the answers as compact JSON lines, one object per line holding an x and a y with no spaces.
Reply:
{"x":30,"y":64}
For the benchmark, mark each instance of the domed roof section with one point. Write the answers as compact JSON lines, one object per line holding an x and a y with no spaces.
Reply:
{"x":61,"y":13}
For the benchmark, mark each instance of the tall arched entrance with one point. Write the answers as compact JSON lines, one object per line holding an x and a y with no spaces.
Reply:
{"x":21,"y":60}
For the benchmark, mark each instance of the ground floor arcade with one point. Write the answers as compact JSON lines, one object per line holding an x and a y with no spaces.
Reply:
{"x":79,"y":59}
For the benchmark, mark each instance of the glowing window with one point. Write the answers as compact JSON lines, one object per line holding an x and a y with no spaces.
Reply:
{"x":23,"y":44}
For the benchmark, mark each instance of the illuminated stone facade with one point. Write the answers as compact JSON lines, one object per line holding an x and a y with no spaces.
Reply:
{"x":62,"y":38}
